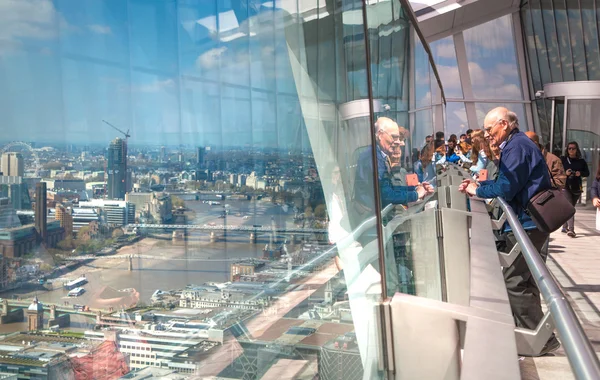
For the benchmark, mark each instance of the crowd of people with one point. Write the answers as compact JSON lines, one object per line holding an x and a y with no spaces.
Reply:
{"x":504,"y":162}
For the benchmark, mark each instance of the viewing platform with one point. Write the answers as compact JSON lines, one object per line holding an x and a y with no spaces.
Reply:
{"x":574,"y":262}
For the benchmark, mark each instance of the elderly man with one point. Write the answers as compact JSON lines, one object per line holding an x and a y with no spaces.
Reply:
{"x":522,"y":173}
{"x":559,"y":177}
{"x":388,"y":139}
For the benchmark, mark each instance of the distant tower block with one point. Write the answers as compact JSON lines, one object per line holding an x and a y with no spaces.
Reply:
{"x":41,"y":211}
{"x":35,"y":315}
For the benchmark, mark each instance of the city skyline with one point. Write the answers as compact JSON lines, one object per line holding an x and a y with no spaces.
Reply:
{"x":70,"y":65}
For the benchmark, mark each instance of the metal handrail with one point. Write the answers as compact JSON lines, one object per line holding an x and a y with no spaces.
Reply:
{"x":584,"y":361}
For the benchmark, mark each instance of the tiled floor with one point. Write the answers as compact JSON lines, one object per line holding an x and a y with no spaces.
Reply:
{"x":575,"y":263}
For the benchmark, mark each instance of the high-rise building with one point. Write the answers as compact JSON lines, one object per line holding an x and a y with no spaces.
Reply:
{"x":65,"y":217}
{"x":16,"y":189}
{"x":200,"y":156}
{"x":117,"y":169}
{"x":163,"y":153}
{"x":41,"y":211}
{"x":8,"y":215}
{"x":12,"y":164}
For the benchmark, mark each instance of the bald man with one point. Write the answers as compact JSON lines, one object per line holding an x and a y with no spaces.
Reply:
{"x":522,"y":173}
{"x":559,"y":177}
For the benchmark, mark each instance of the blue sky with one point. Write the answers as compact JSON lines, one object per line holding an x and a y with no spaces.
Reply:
{"x":146,"y":65}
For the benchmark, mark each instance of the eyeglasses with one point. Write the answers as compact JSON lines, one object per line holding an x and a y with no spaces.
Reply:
{"x":394,"y":137}
{"x":572,"y":148}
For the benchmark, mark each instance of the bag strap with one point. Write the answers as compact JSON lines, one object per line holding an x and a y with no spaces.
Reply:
{"x":553,"y":182}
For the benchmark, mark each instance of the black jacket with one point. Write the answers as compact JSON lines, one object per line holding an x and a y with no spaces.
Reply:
{"x":576,"y":165}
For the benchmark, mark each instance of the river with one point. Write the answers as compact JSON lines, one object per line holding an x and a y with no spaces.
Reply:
{"x":175,"y":264}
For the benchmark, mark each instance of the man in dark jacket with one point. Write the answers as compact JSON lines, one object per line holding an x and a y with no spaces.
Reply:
{"x":522,"y":173}
{"x":559,"y":178}
{"x":387,"y":136}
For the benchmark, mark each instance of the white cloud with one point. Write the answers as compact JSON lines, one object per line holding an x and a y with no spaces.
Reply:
{"x":100,"y":29}
{"x":27,"y":19}
{"x":443,"y":50}
{"x":507,"y":69}
{"x":495,"y":83}
{"x":210,"y":59}
{"x":157,"y":86}
{"x":450,"y":77}
{"x":491,"y":36}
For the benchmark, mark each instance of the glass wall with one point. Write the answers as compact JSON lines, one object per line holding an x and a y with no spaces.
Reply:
{"x":245,"y":234}
{"x":562,"y":45}
{"x":480,"y":71}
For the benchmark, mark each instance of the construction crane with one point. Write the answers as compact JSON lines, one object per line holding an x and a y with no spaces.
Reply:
{"x":126,"y":134}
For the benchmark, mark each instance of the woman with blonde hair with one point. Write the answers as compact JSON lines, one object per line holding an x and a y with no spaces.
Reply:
{"x":482,"y":154}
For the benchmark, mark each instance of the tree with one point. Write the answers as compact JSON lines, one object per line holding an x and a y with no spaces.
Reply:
{"x":177,"y":202}
{"x":66,"y":245}
{"x":118,"y":232}
{"x":54,"y":165}
{"x":308,"y":212}
{"x":320,"y":212}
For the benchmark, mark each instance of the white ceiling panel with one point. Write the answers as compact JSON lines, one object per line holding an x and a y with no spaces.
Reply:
{"x":438,"y":19}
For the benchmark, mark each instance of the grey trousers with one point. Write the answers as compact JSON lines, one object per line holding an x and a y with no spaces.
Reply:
{"x":573,"y":198}
{"x":523,"y":293}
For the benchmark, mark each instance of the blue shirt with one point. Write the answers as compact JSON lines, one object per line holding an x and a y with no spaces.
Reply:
{"x":363,"y":182}
{"x":523,"y":172}
{"x":428,"y":175}
{"x":482,"y":162}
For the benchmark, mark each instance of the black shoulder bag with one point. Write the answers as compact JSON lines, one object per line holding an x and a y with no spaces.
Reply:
{"x":549,"y":209}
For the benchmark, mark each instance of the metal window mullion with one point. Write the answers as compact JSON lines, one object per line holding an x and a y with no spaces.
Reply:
{"x":565,"y":116}
{"x":587,"y":73}
{"x":465,"y":78}
{"x":522,"y":65}
{"x":527,"y":79}
{"x":553,"y":19}
{"x":596,"y":16}
{"x":520,"y":50}
{"x":412,"y":70}
{"x":569,"y":40}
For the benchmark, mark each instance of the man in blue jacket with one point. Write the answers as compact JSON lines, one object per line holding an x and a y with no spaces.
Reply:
{"x":522,"y":174}
{"x":388,"y":136}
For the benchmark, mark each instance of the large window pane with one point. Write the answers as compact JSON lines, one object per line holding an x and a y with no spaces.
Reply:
{"x":456,"y":119}
{"x":591,"y":38}
{"x":422,"y":81}
{"x":206,"y":170}
{"x":545,"y":26}
{"x":492,"y":60}
{"x":444,"y":55}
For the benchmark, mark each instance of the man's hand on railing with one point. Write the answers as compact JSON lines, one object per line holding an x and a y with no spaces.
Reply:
{"x":428,"y":188}
{"x":469,"y":187}
{"x":424,"y":189}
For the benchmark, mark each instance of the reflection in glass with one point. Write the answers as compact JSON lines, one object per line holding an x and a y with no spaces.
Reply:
{"x":591,"y":38}
{"x":456,"y":119}
{"x":241,"y":245}
{"x":582,"y":127}
{"x":562,"y":42}
{"x":444,"y":55}
{"x":422,"y":79}
{"x":492,"y":60}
